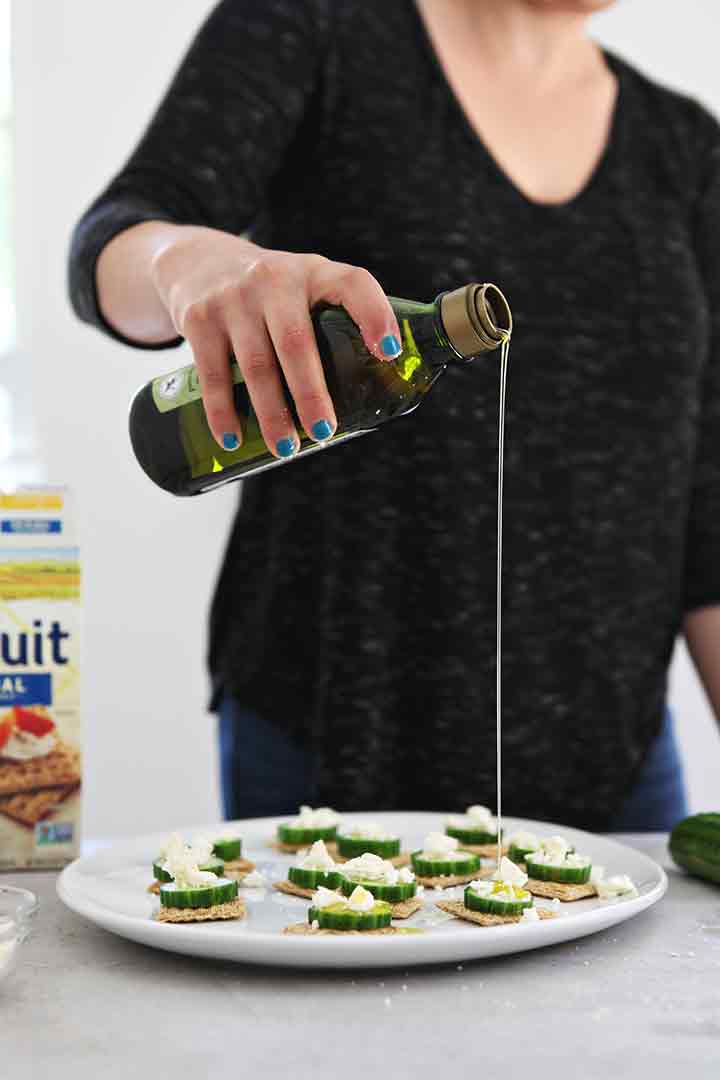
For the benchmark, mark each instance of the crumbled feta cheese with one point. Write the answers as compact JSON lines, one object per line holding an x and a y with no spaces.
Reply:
{"x":510,"y":873}
{"x":530,"y":914}
{"x":315,"y":924}
{"x":317,"y":858}
{"x":360,"y":899}
{"x":439,"y":846}
{"x":612,"y":887}
{"x":526,"y":841}
{"x":254,"y":880}
{"x":597,"y":874}
{"x":323,"y":897}
{"x":184,"y":870}
{"x":555,"y":851}
{"x":322,"y":818}
{"x":475,"y":817}
{"x":369,"y":867}
{"x":368,"y":830}
{"x":174,"y":845}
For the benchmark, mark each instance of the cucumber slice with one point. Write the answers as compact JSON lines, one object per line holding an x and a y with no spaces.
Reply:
{"x":228,"y":850}
{"x":471,"y":836}
{"x":567,"y":875}
{"x":353,"y":846}
{"x":393,"y":894}
{"x":287,"y":834}
{"x":339,"y":918}
{"x":203,"y":896}
{"x":215,"y":866}
{"x":444,"y":867}
{"x":517,"y":854}
{"x":490,"y":906}
{"x":310,"y":879}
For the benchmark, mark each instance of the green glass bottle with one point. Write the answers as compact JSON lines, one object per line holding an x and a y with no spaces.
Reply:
{"x":176,"y":449}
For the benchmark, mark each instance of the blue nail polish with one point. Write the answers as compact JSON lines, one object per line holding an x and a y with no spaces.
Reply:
{"x":230,"y":441}
{"x":322,"y":430}
{"x":390,"y":345}
{"x":285,"y":447}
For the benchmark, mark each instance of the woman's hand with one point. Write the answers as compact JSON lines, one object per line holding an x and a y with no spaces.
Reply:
{"x":224,"y":294}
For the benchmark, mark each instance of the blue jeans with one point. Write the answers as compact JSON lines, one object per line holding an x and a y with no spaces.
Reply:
{"x":263,"y":774}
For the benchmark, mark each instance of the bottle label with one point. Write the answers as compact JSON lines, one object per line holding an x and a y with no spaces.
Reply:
{"x":181,"y":387}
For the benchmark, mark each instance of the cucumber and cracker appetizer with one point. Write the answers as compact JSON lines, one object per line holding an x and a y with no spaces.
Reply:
{"x":309,"y":825}
{"x":520,"y":845}
{"x":359,"y":911}
{"x":355,"y":840}
{"x":503,"y":895}
{"x":441,"y":857}
{"x":379,"y":877}
{"x":196,"y":895}
{"x":315,"y":868}
{"x":177,"y":847}
{"x":555,"y":861}
{"x":476,"y":827}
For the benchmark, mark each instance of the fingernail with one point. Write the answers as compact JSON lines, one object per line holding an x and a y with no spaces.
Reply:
{"x":285,"y":447}
{"x":390,"y":345}
{"x":322,"y":430}
{"x":230,"y":441}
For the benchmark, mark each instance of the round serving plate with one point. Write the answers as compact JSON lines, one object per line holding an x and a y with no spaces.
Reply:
{"x":110,"y":889}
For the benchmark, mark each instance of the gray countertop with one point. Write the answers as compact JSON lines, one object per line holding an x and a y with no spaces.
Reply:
{"x":640,"y":999}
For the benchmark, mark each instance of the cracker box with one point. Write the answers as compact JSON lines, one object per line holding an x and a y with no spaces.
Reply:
{"x":40,"y":768}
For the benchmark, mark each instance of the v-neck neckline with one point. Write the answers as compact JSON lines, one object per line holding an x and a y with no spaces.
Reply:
{"x":602,"y":164}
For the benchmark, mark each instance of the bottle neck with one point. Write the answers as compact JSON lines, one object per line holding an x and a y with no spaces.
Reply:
{"x":474,"y":319}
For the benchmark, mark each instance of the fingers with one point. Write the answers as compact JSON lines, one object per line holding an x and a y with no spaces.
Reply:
{"x":211,"y":352}
{"x":289,"y":326}
{"x":256,"y":359}
{"x":362,"y":297}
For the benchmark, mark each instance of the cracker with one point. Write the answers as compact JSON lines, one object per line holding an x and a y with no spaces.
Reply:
{"x":232,"y":909}
{"x":292,"y":849}
{"x":236,"y":869}
{"x":60,"y":767}
{"x":487,"y":851}
{"x":291,"y":889}
{"x":560,"y":890}
{"x":29,"y":807}
{"x":306,"y":929}
{"x":403,"y":909}
{"x":458,"y":909}
{"x":447,"y":881}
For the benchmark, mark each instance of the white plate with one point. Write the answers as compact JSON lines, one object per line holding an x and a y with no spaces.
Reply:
{"x":109,"y":889}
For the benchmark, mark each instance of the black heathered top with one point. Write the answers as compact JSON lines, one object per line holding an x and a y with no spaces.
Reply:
{"x":356,"y":603}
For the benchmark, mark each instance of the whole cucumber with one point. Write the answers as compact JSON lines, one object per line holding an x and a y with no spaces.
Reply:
{"x":695,"y":845}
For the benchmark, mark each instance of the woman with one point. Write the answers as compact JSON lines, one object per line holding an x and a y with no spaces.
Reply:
{"x":410,"y":148}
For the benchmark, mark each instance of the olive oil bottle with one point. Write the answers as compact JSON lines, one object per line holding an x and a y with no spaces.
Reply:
{"x":173,"y":443}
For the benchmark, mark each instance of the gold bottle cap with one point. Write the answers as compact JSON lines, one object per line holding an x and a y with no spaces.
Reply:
{"x":477,"y":318}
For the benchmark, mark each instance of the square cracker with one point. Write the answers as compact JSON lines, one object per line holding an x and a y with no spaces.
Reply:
{"x":487,"y":851}
{"x":292,"y":849}
{"x":403,"y":909}
{"x":458,"y":909}
{"x":236,"y":869}
{"x":291,"y":889}
{"x":233,"y":909}
{"x":60,"y":767}
{"x":559,"y":890}
{"x":307,"y":930}
{"x":29,"y":807}
{"x":447,"y":881}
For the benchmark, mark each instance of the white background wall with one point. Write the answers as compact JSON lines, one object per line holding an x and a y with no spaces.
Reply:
{"x":87,"y":75}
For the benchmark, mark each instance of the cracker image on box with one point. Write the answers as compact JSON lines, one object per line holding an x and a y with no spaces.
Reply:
{"x":40,"y":748}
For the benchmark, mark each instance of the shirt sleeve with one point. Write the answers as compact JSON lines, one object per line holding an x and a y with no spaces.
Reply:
{"x":702,"y":574}
{"x":217,"y":138}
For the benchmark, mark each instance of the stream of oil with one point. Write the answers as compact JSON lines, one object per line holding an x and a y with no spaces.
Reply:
{"x":504,"y":353}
